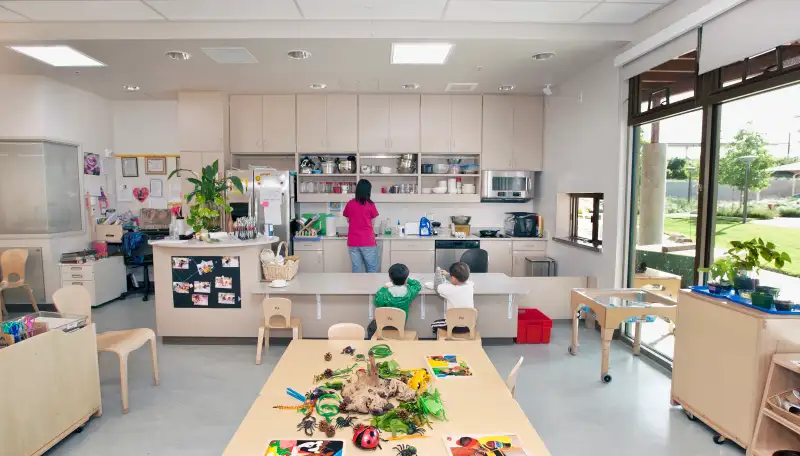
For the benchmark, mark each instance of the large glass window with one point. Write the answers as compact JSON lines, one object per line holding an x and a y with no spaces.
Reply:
{"x":668,"y":83}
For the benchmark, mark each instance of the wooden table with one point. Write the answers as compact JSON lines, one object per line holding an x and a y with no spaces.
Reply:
{"x":479,"y":405}
{"x":614,"y":306}
{"x":667,"y":283}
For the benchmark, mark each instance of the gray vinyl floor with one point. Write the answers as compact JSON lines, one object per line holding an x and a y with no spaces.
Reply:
{"x":206,"y":391}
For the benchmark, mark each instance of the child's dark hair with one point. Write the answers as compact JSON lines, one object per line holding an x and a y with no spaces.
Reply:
{"x":398,"y":273}
{"x":460,"y":271}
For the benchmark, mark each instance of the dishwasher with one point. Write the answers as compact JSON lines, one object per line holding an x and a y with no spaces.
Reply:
{"x":450,"y":251}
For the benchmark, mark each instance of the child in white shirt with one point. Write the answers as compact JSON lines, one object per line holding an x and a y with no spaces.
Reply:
{"x":456,"y":289}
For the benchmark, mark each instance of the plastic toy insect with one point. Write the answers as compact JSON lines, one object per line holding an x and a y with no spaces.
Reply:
{"x":349,"y":350}
{"x":342,"y":422}
{"x":367,"y":437}
{"x":308,"y":425}
{"x":405,"y":450}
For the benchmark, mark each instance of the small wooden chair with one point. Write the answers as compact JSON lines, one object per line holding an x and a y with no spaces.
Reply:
{"x":395,"y":320}
{"x":511,"y":381}
{"x":346,"y":331}
{"x":75,"y":300}
{"x":12,"y":262}
{"x":277,"y":315}
{"x":460,"y":318}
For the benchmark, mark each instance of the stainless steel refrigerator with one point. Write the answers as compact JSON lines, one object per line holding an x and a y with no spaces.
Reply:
{"x":273,"y":202}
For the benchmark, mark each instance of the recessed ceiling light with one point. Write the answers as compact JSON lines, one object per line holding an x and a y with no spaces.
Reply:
{"x":544,"y":56}
{"x":131,"y":88}
{"x":58,"y":56}
{"x":298,"y":55}
{"x":178,"y":55}
{"x":420,"y":53}
{"x":318,"y":86}
{"x":411,"y":86}
{"x":506,"y":88}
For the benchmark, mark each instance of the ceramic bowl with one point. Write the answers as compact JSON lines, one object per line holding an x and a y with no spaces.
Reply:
{"x":439,"y":190}
{"x":427,"y":191}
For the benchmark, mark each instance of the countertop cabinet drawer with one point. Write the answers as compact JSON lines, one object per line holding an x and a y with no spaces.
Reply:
{"x":412,"y":245}
{"x":67,"y":275}
{"x":308,"y":245}
{"x":76,"y":268}
{"x":530,"y":245}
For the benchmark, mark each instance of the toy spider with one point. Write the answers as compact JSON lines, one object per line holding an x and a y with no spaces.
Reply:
{"x":405,"y":450}
{"x":342,"y":422}
{"x":414,"y":429}
{"x":308,"y":425}
{"x":349,"y":350}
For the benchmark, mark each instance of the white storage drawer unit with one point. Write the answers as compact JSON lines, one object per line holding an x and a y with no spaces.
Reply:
{"x":104,"y":279}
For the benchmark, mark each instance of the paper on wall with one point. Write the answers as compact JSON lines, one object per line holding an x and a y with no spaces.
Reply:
{"x":175,"y":191}
{"x":124,"y":193}
{"x":158,"y":203}
{"x":272,"y":210}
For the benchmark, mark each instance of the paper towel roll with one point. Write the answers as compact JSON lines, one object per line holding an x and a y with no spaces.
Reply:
{"x":330,"y":225}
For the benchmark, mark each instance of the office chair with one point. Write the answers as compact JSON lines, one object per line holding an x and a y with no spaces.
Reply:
{"x":139,"y":254}
{"x":477,"y":260}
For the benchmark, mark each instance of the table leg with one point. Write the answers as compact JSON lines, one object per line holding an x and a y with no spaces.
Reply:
{"x":637,"y":338}
{"x":576,"y":320}
{"x":607,"y":334}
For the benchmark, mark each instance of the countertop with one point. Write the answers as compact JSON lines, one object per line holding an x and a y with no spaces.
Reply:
{"x":222,"y":244}
{"x":346,"y":283}
{"x":441,"y":237}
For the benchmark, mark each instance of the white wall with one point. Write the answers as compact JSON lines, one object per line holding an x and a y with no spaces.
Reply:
{"x":145,"y":127}
{"x":584,"y":151}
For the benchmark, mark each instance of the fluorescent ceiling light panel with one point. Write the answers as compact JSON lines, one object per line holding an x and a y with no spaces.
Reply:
{"x":420,"y":53}
{"x":58,"y":56}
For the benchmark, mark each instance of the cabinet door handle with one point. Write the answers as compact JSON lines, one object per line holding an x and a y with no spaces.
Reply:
{"x":77,"y":276}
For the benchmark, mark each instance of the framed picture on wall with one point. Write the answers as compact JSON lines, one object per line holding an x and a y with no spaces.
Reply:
{"x":130,"y":167}
{"x":155,"y":165}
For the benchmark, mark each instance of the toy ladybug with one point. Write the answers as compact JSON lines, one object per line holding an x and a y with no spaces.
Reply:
{"x":366,"y":437}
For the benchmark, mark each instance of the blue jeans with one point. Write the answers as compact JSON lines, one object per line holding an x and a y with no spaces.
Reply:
{"x":367,"y":255}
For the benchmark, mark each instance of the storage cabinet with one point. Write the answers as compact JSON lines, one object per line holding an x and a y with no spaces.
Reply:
{"x":522,"y":249}
{"x":311,"y":260}
{"x":311,"y":123}
{"x":417,"y":261}
{"x":201,"y":120}
{"x":327,"y":123}
{"x":373,"y":123}
{"x":451,"y":124}
{"x":104,"y":279}
{"x":512,"y":133}
{"x":404,"y":112}
{"x":279,"y":135}
{"x":389,"y":123}
{"x":246,"y":123}
{"x":499,"y":256}
{"x":436,"y":125}
{"x":336,"y":256}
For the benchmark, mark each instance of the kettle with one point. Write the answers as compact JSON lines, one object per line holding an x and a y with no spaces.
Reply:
{"x":424,"y":226}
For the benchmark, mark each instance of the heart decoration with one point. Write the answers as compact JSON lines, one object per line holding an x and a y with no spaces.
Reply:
{"x":141,"y":193}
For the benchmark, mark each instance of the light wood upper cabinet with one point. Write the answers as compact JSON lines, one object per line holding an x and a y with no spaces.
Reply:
{"x":498,"y":132}
{"x":342,"y":123}
{"x":373,"y":123}
{"x":201,"y":120}
{"x":528,"y":132}
{"x":467,"y":118}
{"x":246,"y":124}
{"x":435,"y":120}
{"x":404,"y":119}
{"x":278,"y":124}
{"x":311,"y":123}
{"x":512,"y":132}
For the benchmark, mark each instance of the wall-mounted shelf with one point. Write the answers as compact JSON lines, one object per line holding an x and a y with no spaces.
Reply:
{"x":389,"y":198}
{"x":330,"y":176}
{"x":450,"y":175}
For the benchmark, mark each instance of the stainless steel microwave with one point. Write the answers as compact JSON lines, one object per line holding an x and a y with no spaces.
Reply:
{"x":506,"y":186}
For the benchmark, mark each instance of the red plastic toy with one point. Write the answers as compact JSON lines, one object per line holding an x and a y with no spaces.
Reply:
{"x":367,"y":437}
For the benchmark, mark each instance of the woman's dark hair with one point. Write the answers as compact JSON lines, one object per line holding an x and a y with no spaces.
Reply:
{"x":363,"y":191}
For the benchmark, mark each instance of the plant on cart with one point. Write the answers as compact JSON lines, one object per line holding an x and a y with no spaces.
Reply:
{"x":208,"y":196}
{"x":743,"y":260}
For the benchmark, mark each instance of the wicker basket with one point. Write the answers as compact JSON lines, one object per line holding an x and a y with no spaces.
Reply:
{"x":285,"y":271}
{"x":773,"y":404}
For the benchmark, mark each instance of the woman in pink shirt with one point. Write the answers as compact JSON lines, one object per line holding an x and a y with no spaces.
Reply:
{"x":360,"y":211}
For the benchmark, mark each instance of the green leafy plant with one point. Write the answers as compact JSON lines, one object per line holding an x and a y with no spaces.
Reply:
{"x":793,"y":212}
{"x":746,"y":256}
{"x":208,"y":196}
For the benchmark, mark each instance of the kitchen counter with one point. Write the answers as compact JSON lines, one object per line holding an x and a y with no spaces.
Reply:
{"x":441,"y":237}
{"x":222,"y":244}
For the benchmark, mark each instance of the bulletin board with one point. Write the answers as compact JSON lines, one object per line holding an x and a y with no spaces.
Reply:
{"x":160,"y":190}
{"x":206,"y":282}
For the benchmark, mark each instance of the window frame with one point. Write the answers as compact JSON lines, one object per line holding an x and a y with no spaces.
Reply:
{"x":595,"y":243}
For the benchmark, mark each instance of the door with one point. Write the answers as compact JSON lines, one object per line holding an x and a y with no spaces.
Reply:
{"x":467,"y":119}
{"x":373,"y":123}
{"x":499,"y":256}
{"x":246,"y":124}
{"x":528,"y":133}
{"x":342,"y":123}
{"x":417,"y":261}
{"x":435,"y":123}
{"x":279,"y":123}
{"x":336,"y":256}
{"x":311,"y":123}
{"x":498,"y":133}
{"x":404,"y":123}
{"x":310,"y":261}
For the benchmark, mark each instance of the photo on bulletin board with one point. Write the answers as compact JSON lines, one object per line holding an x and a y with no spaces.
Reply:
{"x":130,"y":166}
{"x":155,"y":165}
{"x":206,"y":282}
{"x":91,"y":164}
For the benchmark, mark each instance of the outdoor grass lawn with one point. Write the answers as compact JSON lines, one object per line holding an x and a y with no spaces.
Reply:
{"x":785,"y":239}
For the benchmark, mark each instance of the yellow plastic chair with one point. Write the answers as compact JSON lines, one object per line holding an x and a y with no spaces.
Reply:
{"x":277,"y":315}
{"x":391,"y":325}
{"x":12,"y":262}
{"x":346,"y":331}
{"x":75,"y":300}
{"x":461,"y":318}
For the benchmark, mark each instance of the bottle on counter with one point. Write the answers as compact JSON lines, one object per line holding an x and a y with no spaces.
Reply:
{"x":458,"y":185}
{"x":398,"y":230}
{"x":387,"y":230}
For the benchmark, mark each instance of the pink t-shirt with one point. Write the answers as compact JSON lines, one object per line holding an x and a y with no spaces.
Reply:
{"x":360,"y":233}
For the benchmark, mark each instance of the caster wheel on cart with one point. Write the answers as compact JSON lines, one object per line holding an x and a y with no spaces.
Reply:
{"x":78,"y":430}
{"x":719,"y":440}
{"x":572,"y":351}
{"x":606,"y":378}
{"x":693,"y":418}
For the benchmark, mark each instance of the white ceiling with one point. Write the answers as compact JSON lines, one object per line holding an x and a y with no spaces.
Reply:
{"x":345,"y":65}
{"x":534,"y":11}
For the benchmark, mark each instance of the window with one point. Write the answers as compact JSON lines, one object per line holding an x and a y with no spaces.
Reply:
{"x":760,"y":66}
{"x":585,"y":220}
{"x":668,"y":83}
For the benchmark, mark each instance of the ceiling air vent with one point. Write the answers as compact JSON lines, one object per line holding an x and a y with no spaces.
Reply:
{"x":461,"y":87}
{"x":229,"y":55}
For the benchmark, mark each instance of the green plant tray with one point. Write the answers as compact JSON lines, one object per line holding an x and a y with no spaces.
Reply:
{"x":733,"y":297}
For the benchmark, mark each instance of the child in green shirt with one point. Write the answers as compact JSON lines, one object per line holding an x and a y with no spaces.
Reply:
{"x":397,"y":293}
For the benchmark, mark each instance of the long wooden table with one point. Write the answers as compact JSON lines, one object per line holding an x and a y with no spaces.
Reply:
{"x":481,"y":404}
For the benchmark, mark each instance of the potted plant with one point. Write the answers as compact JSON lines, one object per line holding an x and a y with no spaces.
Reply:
{"x":722,"y":271}
{"x":744,"y":259}
{"x":208,"y":196}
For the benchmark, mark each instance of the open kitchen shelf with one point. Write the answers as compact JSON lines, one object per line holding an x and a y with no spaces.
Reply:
{"x":389,"y":198}
{"x":328,"y":175}
{"x":450,"y":175}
